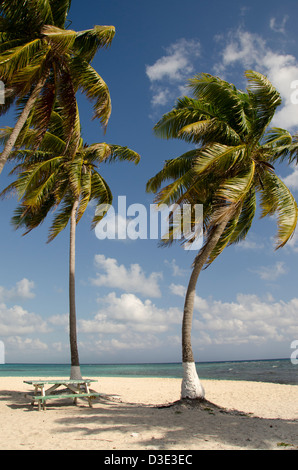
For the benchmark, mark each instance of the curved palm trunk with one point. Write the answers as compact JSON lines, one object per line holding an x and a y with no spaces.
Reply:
{"x":191,"y":385}
{"x":20,"y":124}
{"x":75,"y":372}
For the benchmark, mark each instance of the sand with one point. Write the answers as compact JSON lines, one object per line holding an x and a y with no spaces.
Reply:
{"x":138,"y":414}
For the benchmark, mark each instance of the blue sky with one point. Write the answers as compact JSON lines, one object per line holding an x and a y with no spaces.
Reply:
{"x":130,"y":293}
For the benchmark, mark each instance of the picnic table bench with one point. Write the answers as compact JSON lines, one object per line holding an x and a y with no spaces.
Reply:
{"x":41,"y":395}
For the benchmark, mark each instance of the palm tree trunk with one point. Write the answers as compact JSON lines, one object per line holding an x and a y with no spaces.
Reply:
{"x":191,"y":386}
{"x":75,"y":372}
{"x":20,"y":124}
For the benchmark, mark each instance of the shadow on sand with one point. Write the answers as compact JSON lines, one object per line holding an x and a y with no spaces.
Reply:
{"x":185,"y":424}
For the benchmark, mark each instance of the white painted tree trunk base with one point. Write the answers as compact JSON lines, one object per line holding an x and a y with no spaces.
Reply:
{"x":191,"y":386}
{"x":75,"y":373}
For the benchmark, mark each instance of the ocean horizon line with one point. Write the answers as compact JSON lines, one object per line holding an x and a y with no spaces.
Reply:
{"x":146,"y":363}
{"x":278,"y":370}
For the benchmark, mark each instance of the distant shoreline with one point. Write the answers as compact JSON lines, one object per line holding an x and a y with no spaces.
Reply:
{"x":267,"y":370}
{"x":146,"y":363}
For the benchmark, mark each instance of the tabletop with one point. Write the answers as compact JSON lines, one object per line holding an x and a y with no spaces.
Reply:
{"x":63,"y":381}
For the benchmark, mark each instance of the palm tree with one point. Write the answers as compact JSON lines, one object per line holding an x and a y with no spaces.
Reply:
{"x":42,"y":61}
{"x":230,"y":164}
{"x":49,"y":178}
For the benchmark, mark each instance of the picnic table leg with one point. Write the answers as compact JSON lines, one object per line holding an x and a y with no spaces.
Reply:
{"x":87,"y":391}
{"x":74,"y":389}
{"x":35,"y":393}
{"x":75,"y":400}
{"x":42,"y":392}
{"x":43,"y":401}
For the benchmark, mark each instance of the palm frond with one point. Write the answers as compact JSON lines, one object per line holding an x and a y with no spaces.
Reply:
{"x":85,"y":193}
{"x":18,"y":15}
{"x":174,"y":192}
{"x":69,"y":109}
{"x":60,"y":9}
{"x":90,"y":82}
{"x":265,"y":99}
{"x":284,"y":146}
{"x":101,"y":192}
{"x":218,"y":158}
{"x":42,"y":12}
{"x":174,"y":168}
{"x":224,"y":96}
{"x":62,"y":217}
{"x":6,"y":43}
{"x":29,"y":185}
{"x":27,"y":140}
{"x":122,"y":154}
{"x":248,"y":210}
{"x":22,"y":80}
{"x":236,"y":188}
{"x":13,"y":60}
{"x":186,"y":112}
{"x":226,"y":236}
{"x":276,"y":199}
{"x":29,"y":218}
{"x":209,"y":130}
{"x":88,"y":42}
{"x":60,"y":39}
{"x":43,"y":109}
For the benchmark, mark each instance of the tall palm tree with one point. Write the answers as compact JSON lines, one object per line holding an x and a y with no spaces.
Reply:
{"x":230,"y":164}
{"x":49,"y":178}
{"x":42,"y":60}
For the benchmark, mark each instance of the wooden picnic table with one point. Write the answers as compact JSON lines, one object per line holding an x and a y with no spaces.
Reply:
{"x":41,"y":395}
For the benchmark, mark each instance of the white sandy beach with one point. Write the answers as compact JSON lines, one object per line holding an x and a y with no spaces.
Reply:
{"x":250,"y":415}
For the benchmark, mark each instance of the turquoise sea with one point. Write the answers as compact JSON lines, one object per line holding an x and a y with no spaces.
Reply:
{"x":277,"y":371}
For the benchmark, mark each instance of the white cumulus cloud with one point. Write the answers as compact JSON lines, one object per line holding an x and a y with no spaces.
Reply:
{"x":129,"y":313}
{"x":18,"y":321}
{"x":271,"y":273}
{"x":22,"y":290}
{"x":170,"y":72}
{"x":251,"y":51}
{"x":176,"y":64}
{"x":25,"y":344}
{"x":246,"y":320}
{"x":130,"y":279}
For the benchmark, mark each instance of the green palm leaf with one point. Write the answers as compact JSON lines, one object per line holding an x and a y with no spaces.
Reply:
{"x":236,"y":188}
{"x":174,"y":168}
{"x":265,"y":100}
{"x":90,"y":82}
{"x":226,"y":237}
{"x":18,"y":58}
{"x":42,"y":11}
{"x":186,"y":112}
{"x":226,"y":98}
{"x":85,"y":192}
{"x":277,"y":199}
{"x":218,"y":158}
{"x":285,"y":145}
{"x":60,"y":39}
{"x":60,"y":9}
{"x":102,"y":194}
{"x":62,"y":217}
{"x":212,"y":129}
{"x":87,"y":42}
{"x":119,"y":153}
{"x":248,"y":210}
